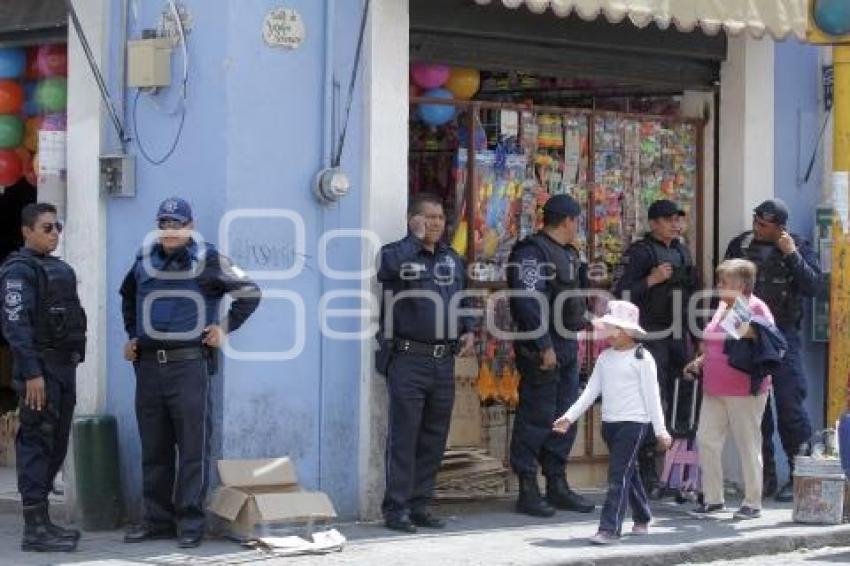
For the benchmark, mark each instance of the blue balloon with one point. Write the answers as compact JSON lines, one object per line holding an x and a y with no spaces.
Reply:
{"x":30,"y":105}
{"x":833,"y":16}
{"x":13,"y":62}
{"x":437,"y":114}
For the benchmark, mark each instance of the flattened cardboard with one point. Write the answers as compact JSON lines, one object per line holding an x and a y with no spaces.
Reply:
{"x":257,"y":473}
{"x":293,"y":507}
{"x":228,"y":501}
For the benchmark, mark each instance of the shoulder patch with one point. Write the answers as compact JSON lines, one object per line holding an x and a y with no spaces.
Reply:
{"x":14,"y":285}
{"x":13,"y":299}
{"x":529,"y":274}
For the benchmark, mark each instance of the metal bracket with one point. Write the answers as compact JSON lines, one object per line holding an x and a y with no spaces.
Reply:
{"x":118,"y":175}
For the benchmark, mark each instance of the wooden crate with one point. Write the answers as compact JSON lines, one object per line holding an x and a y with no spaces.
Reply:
{"x":821,"y":492}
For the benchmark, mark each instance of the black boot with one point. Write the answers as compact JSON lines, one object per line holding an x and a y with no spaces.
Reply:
{"x":37,"y":536}
{"x":560,"y":496}
{"x":770,"y":483}
{"x":530,"y":502}
{"x":61,"y":532}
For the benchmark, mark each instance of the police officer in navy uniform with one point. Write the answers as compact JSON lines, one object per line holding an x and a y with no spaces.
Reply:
{"x":657,"y":273}
{"x":45,"y":326}
{"x":788,"y":271}
{"x":540,"y":269}
{"x":173,"y":348}
{"x":421,"y":332}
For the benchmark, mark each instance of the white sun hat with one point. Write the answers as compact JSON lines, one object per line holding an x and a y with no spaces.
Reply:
{"x":622,"y":314}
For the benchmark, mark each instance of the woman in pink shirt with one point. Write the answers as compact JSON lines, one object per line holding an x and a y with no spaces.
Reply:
{"x":727,"y":405}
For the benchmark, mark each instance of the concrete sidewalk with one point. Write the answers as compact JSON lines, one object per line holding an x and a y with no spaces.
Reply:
{"x":478,"y":533}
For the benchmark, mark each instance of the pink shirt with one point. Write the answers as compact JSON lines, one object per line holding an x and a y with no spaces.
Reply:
{"x":719,"y":378}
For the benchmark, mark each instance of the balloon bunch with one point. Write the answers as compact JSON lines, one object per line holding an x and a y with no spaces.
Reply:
{"x":441,"y":81}
{"x":33,"y":97}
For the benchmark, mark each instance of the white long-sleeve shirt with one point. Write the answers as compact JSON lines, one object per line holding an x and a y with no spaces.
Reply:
{"x":629,"y":389}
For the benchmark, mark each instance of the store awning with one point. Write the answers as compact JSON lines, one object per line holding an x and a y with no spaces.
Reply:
{"x":779,"y":18}
{"x":32,"y":21}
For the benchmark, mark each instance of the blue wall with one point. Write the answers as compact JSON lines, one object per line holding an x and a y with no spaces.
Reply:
{"x":253,"y":140}
{"x":797,"y":85}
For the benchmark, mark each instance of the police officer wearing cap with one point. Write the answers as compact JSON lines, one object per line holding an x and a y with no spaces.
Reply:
{"x":170,"y":304}
{"x":542,"y":268}
{"x":45,"y":326}
{"x":420,"y":333}
{"x":657,"y":274}
{"x":788,"y":271}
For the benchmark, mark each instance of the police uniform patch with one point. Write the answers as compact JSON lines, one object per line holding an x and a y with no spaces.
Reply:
{"x":530,"y":275}
{"x":13,"y":299}
{"x":14,"y":285}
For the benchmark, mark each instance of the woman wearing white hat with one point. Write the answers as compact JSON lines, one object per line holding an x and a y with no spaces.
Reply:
{"x":625,"y":376}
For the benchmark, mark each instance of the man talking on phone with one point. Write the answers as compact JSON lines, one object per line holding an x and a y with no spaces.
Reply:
{"x":788,"y":271}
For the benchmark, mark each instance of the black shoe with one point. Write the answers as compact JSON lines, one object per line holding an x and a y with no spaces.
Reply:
{"x":144,"y":533}
{"x":400,"y":524}
{"x":37,"y":537}
{"x":530,"y":502}
{"x":190,"y":541}
{"x":560,"y":496}
{"x":786,"y":494}
{"x":61,"y":532}
{"x":426,"y":520}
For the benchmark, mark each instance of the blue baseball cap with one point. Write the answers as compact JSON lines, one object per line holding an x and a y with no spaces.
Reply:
{"x":664,"y":209}
{"x":565,"y":205}
{"x":174,"y":208}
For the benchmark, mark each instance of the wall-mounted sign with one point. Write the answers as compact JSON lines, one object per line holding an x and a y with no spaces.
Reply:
{"x":283,"y":27}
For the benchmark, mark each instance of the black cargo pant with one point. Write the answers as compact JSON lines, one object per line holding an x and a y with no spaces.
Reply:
{"x":173,"y":414}
{"x":42,"y":439}
{"x":421,"y":394}
{"x":543,"y":397}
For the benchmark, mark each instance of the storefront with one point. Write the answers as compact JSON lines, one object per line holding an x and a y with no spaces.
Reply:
{"x":33,"y":125}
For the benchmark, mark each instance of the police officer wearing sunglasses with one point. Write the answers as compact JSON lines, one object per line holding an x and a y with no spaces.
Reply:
{"x":173,"y":349}
{"x":45,"y":325}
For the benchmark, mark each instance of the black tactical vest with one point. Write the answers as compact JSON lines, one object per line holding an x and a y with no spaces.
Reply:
{"x":658,"y":308}
{"x":774,"y":281}
{"x":60,"y":319}
{"x":567,"y":278}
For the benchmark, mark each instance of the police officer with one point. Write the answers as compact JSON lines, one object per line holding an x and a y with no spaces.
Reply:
{"x":540,"y":269}
{"x":657,"y":274}
{"x":45,"y":326}
{"x":173,"y":350}
{"x":421,"y":332}
{"x":787,"y":271}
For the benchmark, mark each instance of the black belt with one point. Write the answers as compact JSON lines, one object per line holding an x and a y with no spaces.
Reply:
{"x":434,"y":350}
{"x":61,"y":356}
{"x":173,"y":355}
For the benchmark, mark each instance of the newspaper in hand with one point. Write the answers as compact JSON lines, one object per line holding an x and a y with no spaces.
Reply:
{"x":737,"y":319}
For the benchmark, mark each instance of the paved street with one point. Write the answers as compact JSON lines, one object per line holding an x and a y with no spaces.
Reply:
{"x":487,"y":534}
{"x":819,"y":557}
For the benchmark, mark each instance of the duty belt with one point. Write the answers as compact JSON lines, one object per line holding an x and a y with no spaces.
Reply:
{"x":173,"y":355}
{"x":434,"y":350}
{"x":61,"y":356}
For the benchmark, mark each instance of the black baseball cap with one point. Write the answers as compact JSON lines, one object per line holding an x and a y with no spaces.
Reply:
{"x":773,"y":210}
{"x":664,"y":209}
{"x":565,"y":205}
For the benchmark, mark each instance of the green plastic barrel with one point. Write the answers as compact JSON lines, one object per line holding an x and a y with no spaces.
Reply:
{"x":96,"y":471}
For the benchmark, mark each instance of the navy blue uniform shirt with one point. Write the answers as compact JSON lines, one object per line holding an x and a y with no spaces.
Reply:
{"x":406,"y":266}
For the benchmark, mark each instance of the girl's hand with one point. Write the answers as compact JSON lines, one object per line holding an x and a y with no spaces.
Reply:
{"x":562,"y":425}
{"x":664,"y":441}
{"x":694,"y":368}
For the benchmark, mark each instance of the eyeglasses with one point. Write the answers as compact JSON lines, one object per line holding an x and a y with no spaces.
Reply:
{"x":171,"y":224}
{"x":48,"y":227}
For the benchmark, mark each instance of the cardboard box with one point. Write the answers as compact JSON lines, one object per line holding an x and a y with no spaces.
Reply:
{"x":256,"y":496}
{"x":465,"y":428}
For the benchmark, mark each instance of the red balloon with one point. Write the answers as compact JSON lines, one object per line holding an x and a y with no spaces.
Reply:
{"x":11,"y":168}
{"x":52,"y":60}
{"x":11,"y":97}
{"x":31,"y":73}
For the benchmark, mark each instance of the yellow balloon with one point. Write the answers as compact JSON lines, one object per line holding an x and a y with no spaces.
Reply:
{"x":460,"y":239}
{"x":31,"y":134}
{"x":463,"y":82}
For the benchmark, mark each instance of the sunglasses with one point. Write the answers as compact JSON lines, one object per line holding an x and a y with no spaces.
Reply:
{"x":171,"y":224}
{"x":48,"y":227}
